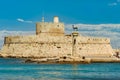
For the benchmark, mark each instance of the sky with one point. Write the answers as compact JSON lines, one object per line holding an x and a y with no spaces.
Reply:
{"x":98,"y":17}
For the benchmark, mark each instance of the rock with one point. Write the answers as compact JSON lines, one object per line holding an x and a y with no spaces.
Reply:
{"x":1,"y":56}
{"x":28,"y":61}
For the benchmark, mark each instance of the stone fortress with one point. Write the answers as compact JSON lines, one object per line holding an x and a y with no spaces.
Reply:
{"x":51,"y":41}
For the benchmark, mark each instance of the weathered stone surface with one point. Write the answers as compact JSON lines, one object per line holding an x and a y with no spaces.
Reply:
{"x":50,"y":41}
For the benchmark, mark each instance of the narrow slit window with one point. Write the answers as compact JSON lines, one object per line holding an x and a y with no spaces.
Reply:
{"x":58,"y":47}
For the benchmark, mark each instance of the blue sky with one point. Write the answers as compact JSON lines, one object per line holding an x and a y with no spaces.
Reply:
{"x":69,"y":11}
{"x":93,"y":17}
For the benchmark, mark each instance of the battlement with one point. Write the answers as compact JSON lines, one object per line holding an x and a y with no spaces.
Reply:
{"x":52,"y":28}
{"x":59,"y":39}
{"x":93,"y":40}
{"x":36,"y":39}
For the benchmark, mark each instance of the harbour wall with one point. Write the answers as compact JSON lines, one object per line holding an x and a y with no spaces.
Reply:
{"x":56,"y":46}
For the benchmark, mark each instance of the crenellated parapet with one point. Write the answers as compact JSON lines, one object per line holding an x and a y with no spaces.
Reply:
{"x":93,"y":40}
{"x":37,"y":39}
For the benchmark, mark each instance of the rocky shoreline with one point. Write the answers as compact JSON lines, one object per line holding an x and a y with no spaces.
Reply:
{"x":57,"y":61}
{"x":73,"y":61}
{"x":63,"y":60}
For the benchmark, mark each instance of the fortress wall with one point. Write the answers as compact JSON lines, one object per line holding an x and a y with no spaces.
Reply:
{"x":97,"y":49}
{"x":44,"y":46}
{"x":50,"y":28}
{"x":93,"y":40}
{"x":52,"y":34}
{"x":38,"y":49}
{"x":37,"y":46}
{"x":20,"y":39}
{"x":94,"y":47}
{"x":46,"y":38}
{"x":37,"y":39}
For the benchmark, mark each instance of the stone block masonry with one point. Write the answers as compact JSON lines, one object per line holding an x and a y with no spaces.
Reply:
{"x":50,"y":41}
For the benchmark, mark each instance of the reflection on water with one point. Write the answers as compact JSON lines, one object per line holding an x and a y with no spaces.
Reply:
{"x":75,"y":69}
{"x":15,"y":69}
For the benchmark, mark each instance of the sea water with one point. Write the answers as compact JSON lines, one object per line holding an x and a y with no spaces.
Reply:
{"x":16,"y":69}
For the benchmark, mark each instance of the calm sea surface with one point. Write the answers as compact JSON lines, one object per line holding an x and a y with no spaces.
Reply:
{"x":15,"y":69}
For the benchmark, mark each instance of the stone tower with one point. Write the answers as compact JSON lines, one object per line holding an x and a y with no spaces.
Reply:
{"x":54,"y":28}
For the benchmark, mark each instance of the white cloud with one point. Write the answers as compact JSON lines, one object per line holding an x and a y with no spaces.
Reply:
{"x":111,"y":31}
{"x":4,"y":33}
{"x":22,"y":20}
{"x":117,"y":2}
{"x":95,"y":27}
{"x":113,"y":4}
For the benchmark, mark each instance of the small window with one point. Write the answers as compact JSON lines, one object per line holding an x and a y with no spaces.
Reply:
{"x":74,"y":41}
{"x":83,"y":57}
{"x":58,"y":47}
{"x":64,"y":57}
